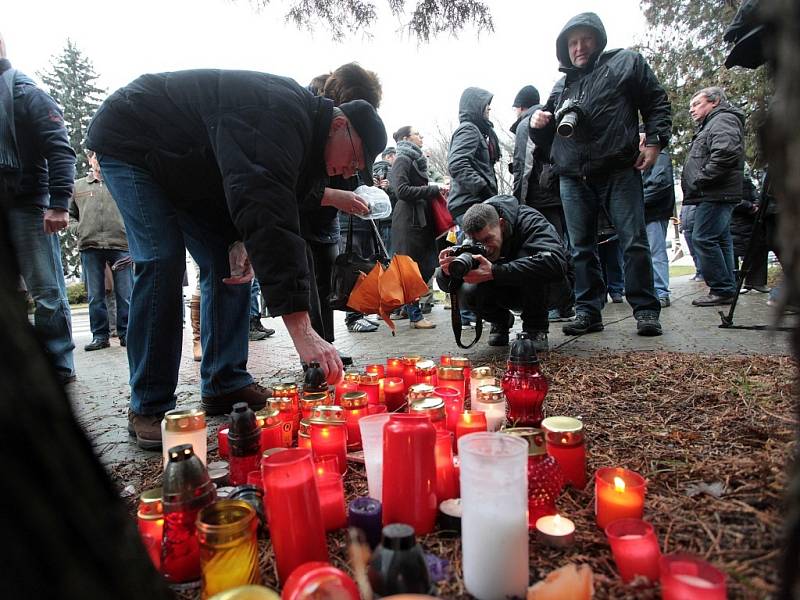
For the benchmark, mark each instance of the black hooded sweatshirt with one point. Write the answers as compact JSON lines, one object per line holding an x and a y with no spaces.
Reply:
{"x":611,"y":91}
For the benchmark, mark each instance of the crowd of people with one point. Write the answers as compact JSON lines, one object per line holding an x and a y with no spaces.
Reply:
{"x":255,"y":175}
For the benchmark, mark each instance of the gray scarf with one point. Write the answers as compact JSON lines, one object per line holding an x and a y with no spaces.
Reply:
{"x":414,"y":152}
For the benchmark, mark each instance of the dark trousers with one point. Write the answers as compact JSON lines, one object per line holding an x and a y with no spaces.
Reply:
{"x":561,"y":295}
{"x":765,"y":240}
{"x":610,"y":254}
{"x":493,"y":302}
{"x":363,"y":245}
{"x":714,"y":245}
{"x":94,"y":261}
{"x":320,"y":263}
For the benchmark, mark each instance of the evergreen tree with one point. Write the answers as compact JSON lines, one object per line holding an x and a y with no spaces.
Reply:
{"x":684,"y":47}
{"x":70,"y":80}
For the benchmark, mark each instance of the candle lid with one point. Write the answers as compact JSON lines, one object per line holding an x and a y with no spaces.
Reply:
{"x":420,"y":390}
{"x":562,"y":424}
{"x":281,"y":404}
{"x":289,"y":384}
{"x":451,"y":373}
{"x":352,"y":375}
{"x":489,"y":394}
{"x":460,"y":361}
{"x":398,"y":536}
{"x":370,"y":378}
{"x":432,"y":406}
{"x":481,"y":372}
{"x":150,"y":505}
{"x":282,"y":388}
{"x":354,"y":400}
{"x":268,"y":416}
{"x":270,"y":451}
{"x":534,"y":437}
{"x":191,"y":419}
{"x":522,"y":351}
{"x":323,"y":415}
{"x":426,"y":365}
{"x":411,"y":359}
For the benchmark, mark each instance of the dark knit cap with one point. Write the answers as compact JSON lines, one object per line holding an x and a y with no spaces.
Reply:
{"x":526,"y":97}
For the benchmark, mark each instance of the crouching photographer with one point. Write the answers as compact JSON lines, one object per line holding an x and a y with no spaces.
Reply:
{"x":511,"y":254}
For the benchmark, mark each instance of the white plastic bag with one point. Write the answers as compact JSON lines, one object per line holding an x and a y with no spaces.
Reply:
{"x":380,"y":207}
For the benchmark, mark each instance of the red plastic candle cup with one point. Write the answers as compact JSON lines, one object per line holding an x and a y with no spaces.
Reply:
{"x":355,"y":407}
{"x":269,"y":419}
{"x":286,"y":411}
{"x":331,"y":500}
{"x":329,"y":434}
{"x":295,"y":519}
{"x":635,"y":549}
{"x":394,"y":393}
{"x":150,"y":518}
{"x":326,"y":464}
{"x":446,"y":477}
{"x":687,"y":577}
{"x":431,"y":407}
{"x":343,"y":387}
{"x":369,"y":384}
{"x":452,"y":377}
{"x":377,"y":409}
{"x":378,"y":369}
{"x":409,"y":472}
{"x":444,"y":360}
{"x":222,"y":442}
{"x":410,"y":370}
{"x":565,"y":442}
{"x":426,"y":372}
{"x":394,"y":367}
{"x":465,"y":364}
{"x":619,"y":494}
{"x":319,"y":580}
{"x":254,"y":478}
{"x":470,"y":421}
{"x":453,"y":405}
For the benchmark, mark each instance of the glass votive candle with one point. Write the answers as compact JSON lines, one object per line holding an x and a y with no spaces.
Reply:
{"x":470,"y":421}
{"x":184,"y":427}
{"x":304,"y":435}
{"x":331,"y":500}
{"x":343,"y":387}
{"x":635,"y":549}
{"x":394,"y":367}
{"x":286,"y":411}
{"x":329,"y":434}
{"x":431,"y":407}
{"x":465,"y":364}
{"x":452,"y":377}
{"x":369,"y":383}
{"x":378,"y":369}
{"x":150,"y":519}
{"x":354,"y":405}
{"x":687,"y":577}
{"x":446,"y":476}
{"x":478,"y":377}
{"x":410,"y":370}
{"x":453,"y":404}
{"x":426,"y":372}
{"x":619,"y":494}
{"x":418,"y":391}
{"x":309,"y":401}
{"x":394,"y":392}
{"x":565,"y":443}
{"x":490,"y":400}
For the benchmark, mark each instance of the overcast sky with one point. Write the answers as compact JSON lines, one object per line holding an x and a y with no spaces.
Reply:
{"x":422,"y":83}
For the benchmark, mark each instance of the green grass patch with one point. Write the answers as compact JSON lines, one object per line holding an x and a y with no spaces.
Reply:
{"x":679,"y":270}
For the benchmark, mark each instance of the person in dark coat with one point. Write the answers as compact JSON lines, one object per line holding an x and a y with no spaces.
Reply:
{"x":380,"y":174}
{"x":743,"y":230}
{"x":202,"y":159}
{"x":412,"y":223}
{"x":712,"y":179}
{"x":523,"y":253}
{"x":599,"y":162}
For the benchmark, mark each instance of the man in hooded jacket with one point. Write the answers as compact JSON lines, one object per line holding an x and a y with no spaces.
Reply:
{"x":599,"y":164}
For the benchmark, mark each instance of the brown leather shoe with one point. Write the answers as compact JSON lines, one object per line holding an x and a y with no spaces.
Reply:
{"x":146,"y":429}
{"x":255,"y":395}
{"x":423,"y":324}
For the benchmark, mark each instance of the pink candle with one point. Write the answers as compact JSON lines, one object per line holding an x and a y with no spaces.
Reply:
{"x":393,"y":393}
{"x":394,"y":367}
{"x":376,"y":369}
{"x":453,"y":405}
{"x":635,"y":548}
{"x":686,"y":577}
{"x":331,"y":500}
{"x":369,"y":384}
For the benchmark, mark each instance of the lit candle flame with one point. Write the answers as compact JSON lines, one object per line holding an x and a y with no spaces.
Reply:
{"x":467,"y":418}
{"x":619,"y":484}
{"x":557,"y":522}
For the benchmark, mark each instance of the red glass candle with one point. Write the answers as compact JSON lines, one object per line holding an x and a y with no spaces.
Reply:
{"x":465,"y":365}
{"x":369,"y":384}
{"x":618,"y":494}
{"x":355,"y":407}
{"x":269,"y":420}
{"x":470,"y":421}
{"x":309,"y":401}
{"x":319,"y":580}
{"x":453,"y":405}
{"x":409,"y":472}
{"x":687,"y":577}
{"x":150,"y":518}
{"x":446,"y":478}
{"x":433,"y":408}
{"x":304,"y":435}
{"x":545,"y":480}
{"x":329,"y":434}
{"x":452,"y":377}
{"x":635,"y":549}
{"x":222,"y":442}
{"x":376,"y":369}
{"x":295,"y":520}
{"x":524,"y":385}
{"x":254,"y":478}
{"x":287,"y":416}
{"x":326,"y":464}
{"x":344,"y":387}
{"x":377,"y":409}
{"x":565,"y":443}
{"x":394,"y":391}
{"x":426,"y":372}
{"x":410,"y":370}
{"x":394,"y":367}
{"x":331,"y":500}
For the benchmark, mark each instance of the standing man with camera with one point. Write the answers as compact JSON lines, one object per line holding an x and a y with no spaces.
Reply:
{"x":511,"y":254}
{"x":595,"y":110}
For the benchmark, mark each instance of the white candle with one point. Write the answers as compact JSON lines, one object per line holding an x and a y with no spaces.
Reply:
{"x":556,"y":530}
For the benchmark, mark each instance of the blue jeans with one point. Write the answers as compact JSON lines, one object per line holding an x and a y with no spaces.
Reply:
{"x":414,"y":312}
{"x":39,"y":258}
{"x":255,"y":292}
{"x":620,"y":192}
{"x":94,"y":261}
{"x":712,"y":240}
{"x":657,"y":237}
{"x":687,"y":222}
{"x":158,"y":236}
{"x":610,"y":255}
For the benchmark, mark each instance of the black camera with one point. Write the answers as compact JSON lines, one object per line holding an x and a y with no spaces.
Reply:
{"x":567,"y":117}
{"x":464,"y":262}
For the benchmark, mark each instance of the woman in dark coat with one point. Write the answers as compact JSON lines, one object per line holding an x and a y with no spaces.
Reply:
{"x":412,"y":224}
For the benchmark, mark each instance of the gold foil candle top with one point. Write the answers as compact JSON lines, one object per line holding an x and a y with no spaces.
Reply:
{"x":482,"y":373}
{"x":354,"y":400}
{"x":451,"y":373}
{"x":433,"y":407}
{"x":419,"y":390}
{"x":534,"y":437}
{"x":489,"y":394}
{"x":327,"y":415}
{"x":150,"y":505}
{"x":268,"y":416}
{"x":185,"y":420}
{"x":370,"y":378}
{"x":459,"y":361}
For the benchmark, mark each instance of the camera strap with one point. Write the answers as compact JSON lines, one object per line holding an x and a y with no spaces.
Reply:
{"x":455,"y":319}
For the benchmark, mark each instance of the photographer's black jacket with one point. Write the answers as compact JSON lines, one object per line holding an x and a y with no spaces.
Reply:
{"x":612,"y":90}
{"x":236,"y":149}
{"x":532,"y":252}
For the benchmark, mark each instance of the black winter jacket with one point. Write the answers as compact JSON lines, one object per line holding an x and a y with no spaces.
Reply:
{"x":472,"y":177}
{"x":46,"y":159}
{"x":611,"y":91}
{"x":659,"y":189}
{"x":528,"y":164}
{"x":532,"y":252}
{"x":715,"y":164}
{"x":235,"y":149}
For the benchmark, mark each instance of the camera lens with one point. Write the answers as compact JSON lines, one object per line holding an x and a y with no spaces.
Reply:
{"x":566,"y":127}
{"x":460,"y":266}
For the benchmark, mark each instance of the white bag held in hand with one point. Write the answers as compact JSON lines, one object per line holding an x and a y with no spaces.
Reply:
{"x":380,"y":206}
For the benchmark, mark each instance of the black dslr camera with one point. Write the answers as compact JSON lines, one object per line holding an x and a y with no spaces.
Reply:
{"x":464,"y":261}
{"x":567,"y":117}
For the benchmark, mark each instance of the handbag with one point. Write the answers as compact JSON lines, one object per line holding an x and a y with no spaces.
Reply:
{"x":442,"y":219}
{"x":349,"y":265}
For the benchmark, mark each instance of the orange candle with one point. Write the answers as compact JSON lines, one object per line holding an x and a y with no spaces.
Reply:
{"x":618,"y":494}
{"x":470,"y":421}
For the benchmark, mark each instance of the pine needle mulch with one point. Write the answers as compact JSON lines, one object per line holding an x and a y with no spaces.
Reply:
{"x":711,"y":434}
